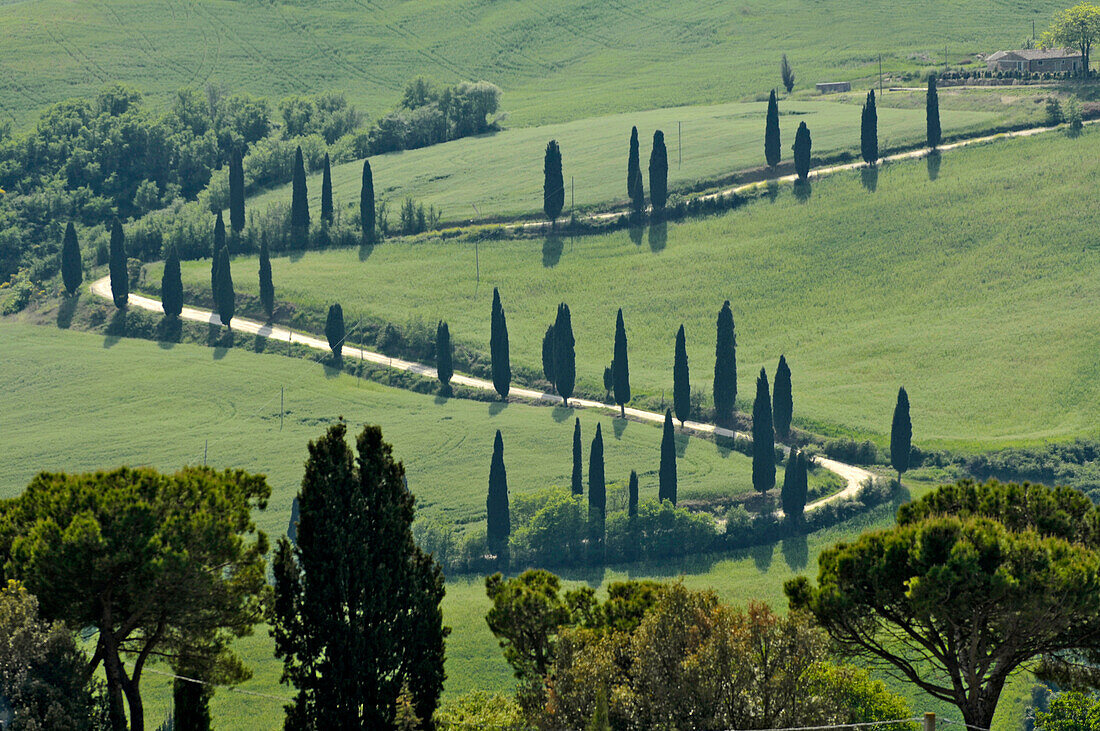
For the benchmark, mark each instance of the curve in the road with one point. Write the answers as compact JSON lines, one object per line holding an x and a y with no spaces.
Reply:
{"x":853,"y":476}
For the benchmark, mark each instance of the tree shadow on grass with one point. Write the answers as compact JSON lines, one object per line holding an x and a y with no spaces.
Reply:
{"x":365,"y":250}
{"x":868,"y":177}
{"x":295,"y":255}
{"x":675,"y":566}
{"x":796,"y":552}
{"x":552,"y":247}
{"x":658,"y":236}
{"x":933,"y":160}
{"x":221,"y":339}
{"x":724,"y":445}
{"x":591,"y":575}
{"x":66,"y":309}
{"x":116,"y":328}
{"x":561,"y":413}
{"x":495,"y":407}
{"x":333,"y":366}
{"x":762,"y":556}
{"x":802,"y":190}
{"x":771,"y":191}
{"x":636,"y":231}
{"x":618,"y":425}
{"x":169,"y":332}
{"x":682,"y":441}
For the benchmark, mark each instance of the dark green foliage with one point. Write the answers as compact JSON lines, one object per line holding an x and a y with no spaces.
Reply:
{"x":444,"y":356}
{"x":553,"y":183}
{"x":666,"y":477}
{"x":72,"y":269}
{"x":219,"y":233}
{"x":635,"y":189}
{"x":932,"y":114}
{"x":868,"y":130}
{"x":171,"y":284}
{"x":299,"y":203}
{"x":597,"y":487}
{"x":367,"y":214}
{"x":609,"y":379}
{"x":803,"y":147}
{"x":224,"y":296}
{"x":548,"y":354}
{"x":356,"y":612}
{"x":620,"y":366}
{"x":782,"y":400}
{"x":236,"y":191}
{"x":786,"y":73}
{"x":658,"y":172}
{"x":120,"y":276}
{"x":763,"y":437}
{"x":901,"y":435}
{"x":267,"y":287}
{"x":681,"y":383}
{"x":215,"y":262}
{"x":577,"y":481}
{"x":632,"y":495}
{"x":499,"y":524}
{"x":190,"y":705}
{"x":326,"y":192}
{"x":1069,"y":711}
{"x":795,"y":488}
{"x":565,"y":356}
{"x":773,"y":153}
{"x":335,"y":332}
{"x":498,"y":348}
{"x":725,"y":366}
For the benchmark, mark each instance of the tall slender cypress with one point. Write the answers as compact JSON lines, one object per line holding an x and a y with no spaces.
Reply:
{"x":578,"y":478}
{"x":553,"y":182}
{"x":498,"y":349}
{"x":498,"y":519}
{"x":267,"y":287}
{"x":725,"y":366}
{"x":299,"y":203}
{"x":868,"y":137}
{"x":597,"y":488}
{"x":634,"y":536}
{"x":335,"y":332}
{"x":236,"y":191}
{"x":932,"y":113}
{"x":444,"y":357}
{"x":658,"y":172}
{"x":795,"y":486}
{"x":367,"y":222}
{"x":632,"y":495}
{"x":72,"y":271}
{"x":773,"y":153}
{"x":326,"y":192}
{"x":782,"y":401}
{"x":666,"y":476}
{"x":901,"y":435}
{"x":786,"y":73}
{"x":548,"y":354}
{"x":803,"y":147}
{"x":681,"y":382}
{"x":226,"y":298}
{"x":219,"y":233}
{"x":634,"y":187}
{"x":215,"y":262}
{"x":171,"y":284}
{"x":763,"y":437}
{"x":120,"y":275}
{"x":565,"y":356}
{"x":620,"y":366}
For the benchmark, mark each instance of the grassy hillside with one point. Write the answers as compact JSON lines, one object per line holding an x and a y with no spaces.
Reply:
{"x":501,"y":174}
{"x":568,"y":60}
{"x":956,"y":281}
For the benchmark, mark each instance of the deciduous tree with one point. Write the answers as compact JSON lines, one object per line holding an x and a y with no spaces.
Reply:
{"x":498,"y":348}
{"x":620,"y":366}
{"x":666,"y":476}
{"x":553,"y":183}
{"x":725,"y":366}
{"x":72,"y":269}
{"x":1077,"y":27}
{"x":681,"y":382}
{"x":772,"y":150}
{"x":763,"y":437}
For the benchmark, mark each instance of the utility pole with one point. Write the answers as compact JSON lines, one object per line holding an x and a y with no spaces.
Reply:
{"x":281,"y":409}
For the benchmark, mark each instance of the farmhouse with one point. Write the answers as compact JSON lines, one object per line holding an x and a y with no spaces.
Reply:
{"x":829,"y":87}
{"x":1035,"y":60}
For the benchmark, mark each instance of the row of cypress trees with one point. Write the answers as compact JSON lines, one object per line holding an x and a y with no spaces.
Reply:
{"x":299,"y":202}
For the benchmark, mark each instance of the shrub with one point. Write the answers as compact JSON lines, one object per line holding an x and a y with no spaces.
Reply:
{"x":848,"y":450}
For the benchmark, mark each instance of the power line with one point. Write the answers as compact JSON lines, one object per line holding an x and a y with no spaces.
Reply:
{"x":223,"y":687}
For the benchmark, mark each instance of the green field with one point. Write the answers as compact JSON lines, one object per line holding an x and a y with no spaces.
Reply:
{"x":501,"y":174}
{"x":574,"y":59}
{"x":971,"y":289}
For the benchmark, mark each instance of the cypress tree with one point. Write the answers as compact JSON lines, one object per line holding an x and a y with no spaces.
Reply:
{"x":666,"y":476}
{"x":236,"y":191}
{"x":658,"y":172}
{"x":219,"y":233}
{"x":786,"y":73}
{"x":578,"y":478}
{"x":681,"y":383}
{"x":267,"y":288}
{"x":609,"y":380}
{"x":72,"y":271}
{"x":171,"y":285}
{"x":120,"y":276}
{"x":498,"y":349}
{"x":299,"y":204}
{"x":632,"y":495}
{"x":633,"y":547}
{"x":782,"y":401}
{"x":634,"y":186}
{"x":802,"y":148}
{"x":226,"y":298}
{"x":725,"y":366}
{"x":794,"y":491}
{"x":215,"y":262}
{"x":326,"y":192}
{"x":763,"y":437}
{"x":565,"y":357}
{"x":496,"y":504}
{"x":548,"y":355}
{"x":553,"y":183}
{"x":597,"y":496}
{"x":366,"y":205}
{"x":334,"y":331}
{"x":444,"y":356}
{"x":772,"y":151}
{"x":932,"y":113}
{"x":868,"y":138}
{"x":901,"y":435}
{"x":620,"y":366}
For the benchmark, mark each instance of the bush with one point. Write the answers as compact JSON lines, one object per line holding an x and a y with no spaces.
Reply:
{"x":848,"y":450}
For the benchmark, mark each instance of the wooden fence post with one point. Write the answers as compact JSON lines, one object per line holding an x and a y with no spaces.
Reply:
{"x":930,"y":722}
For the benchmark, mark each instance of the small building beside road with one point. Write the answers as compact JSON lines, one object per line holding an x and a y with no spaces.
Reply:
{"x":1035,"y":60}
{"x":831,"y":87}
